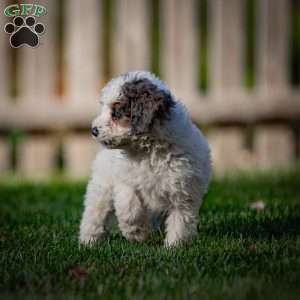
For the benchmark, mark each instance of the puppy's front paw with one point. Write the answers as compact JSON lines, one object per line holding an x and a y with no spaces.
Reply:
{"x":175,"y":242}
{"x":87,"y":240}
{"x":89,"y":233}
{"x":171,"y":243}
{"x":89,"y":237}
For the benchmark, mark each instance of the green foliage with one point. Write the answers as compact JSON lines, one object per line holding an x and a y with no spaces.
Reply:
{"x":238,"y":254}
{"x":250,"y":28}
{"x":155,"y":36}
{"x":15,"y":137}
{"x":203,"y":46}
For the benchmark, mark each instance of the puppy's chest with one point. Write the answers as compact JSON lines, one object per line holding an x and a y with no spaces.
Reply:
{"x":143,"y":177}
{"x":154,"y":183}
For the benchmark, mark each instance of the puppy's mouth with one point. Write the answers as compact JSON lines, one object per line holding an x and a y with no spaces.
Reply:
{"x":108,"y":144}
{"x":114,"y":144}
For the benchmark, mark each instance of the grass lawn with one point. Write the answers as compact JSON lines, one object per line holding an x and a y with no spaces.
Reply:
{"x":239,"y":253}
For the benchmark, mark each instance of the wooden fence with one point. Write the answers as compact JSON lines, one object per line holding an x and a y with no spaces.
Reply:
{"x":58,"y":83}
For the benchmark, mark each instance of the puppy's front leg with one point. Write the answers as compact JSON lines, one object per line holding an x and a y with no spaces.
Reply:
{"x":97,"y":212}
{"x":131,"y":214}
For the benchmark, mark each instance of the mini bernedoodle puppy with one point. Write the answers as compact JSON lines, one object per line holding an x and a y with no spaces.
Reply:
{"x":153,"y":160}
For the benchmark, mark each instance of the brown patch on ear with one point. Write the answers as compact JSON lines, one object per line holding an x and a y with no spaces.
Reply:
{"x":143,"y":101}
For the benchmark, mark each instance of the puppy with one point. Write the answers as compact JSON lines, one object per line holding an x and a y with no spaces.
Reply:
{"x":153,"y":160}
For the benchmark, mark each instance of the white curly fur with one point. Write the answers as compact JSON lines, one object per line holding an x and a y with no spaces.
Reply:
{"x":167,"y":173}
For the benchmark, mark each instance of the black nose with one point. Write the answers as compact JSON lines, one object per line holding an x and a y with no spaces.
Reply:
{"x":95,"y":131}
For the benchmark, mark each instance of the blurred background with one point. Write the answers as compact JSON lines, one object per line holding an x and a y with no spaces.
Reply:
{"x":234,"y":63}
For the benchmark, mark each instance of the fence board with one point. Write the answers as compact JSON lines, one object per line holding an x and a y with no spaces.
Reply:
{"x":228,"y":151}
{"x":274,"y":146}
{"x":226,"y":32}
{"x":130,"y":36}
{"x":37,"y":66}
{"x":273,"y":45}
{"x":5,"y":80}
{"x":79,"y":152}
{"x":179,"y":41}
{"x":226,"y":104}
{"x":37,"y":87}
{"x":37,"y":155}
{"x":82,"y":53}
{"x":5,"y":54}
{"x":238,"y":109}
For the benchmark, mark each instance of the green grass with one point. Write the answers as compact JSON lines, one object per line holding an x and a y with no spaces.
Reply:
{"x":238,"y":254}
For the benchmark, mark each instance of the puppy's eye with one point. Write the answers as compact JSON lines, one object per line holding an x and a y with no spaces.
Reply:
{"x":116,"y":114}
{"x":115,"y":111}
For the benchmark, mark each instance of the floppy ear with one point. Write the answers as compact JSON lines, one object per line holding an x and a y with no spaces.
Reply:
{"x":146,"y":102}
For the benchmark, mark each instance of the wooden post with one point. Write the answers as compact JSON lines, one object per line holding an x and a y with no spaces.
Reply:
{"x":273,"y":46}
{"x":130,"y":36}
{"x":82,"y":44}
{"x":225,"y":55}
{"x":179,"y":46}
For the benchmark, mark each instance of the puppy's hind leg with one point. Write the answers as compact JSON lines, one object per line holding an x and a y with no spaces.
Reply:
{"x":131,"y":214}
{"x":181,"y":225}
{"x":97,"y":213}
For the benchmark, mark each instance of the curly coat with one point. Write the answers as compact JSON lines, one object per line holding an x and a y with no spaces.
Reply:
{"x":153,"y":160}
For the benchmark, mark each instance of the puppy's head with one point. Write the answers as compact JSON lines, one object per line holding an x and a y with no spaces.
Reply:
{"x":130,"y":105}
